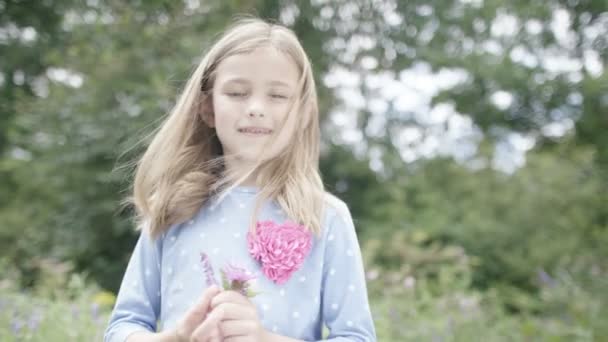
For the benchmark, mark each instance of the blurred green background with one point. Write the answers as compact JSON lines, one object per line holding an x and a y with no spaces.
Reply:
{"x":469,"y":138}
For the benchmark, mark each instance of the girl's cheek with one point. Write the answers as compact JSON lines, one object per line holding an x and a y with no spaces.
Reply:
{"x":227,"y":108}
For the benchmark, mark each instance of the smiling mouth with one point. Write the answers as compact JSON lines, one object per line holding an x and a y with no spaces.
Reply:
{"x":255,"y":131}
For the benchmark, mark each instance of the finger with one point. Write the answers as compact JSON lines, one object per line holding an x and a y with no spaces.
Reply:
{"x":209,"y":327}
{"x":238,"y":339}
{"x":215,"y":339}
{"x":200,"y":309}
{"x":216,"y":336}
{"x":232,"y":311}
{"x":229,"y":297}
{"x":237,"y":327}
{"x":197,"y":313}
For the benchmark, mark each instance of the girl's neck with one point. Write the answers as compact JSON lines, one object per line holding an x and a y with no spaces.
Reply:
{"x":237,"y":169}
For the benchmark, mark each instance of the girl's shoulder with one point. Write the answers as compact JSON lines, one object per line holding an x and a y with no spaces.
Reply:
{"x":335,"y":208}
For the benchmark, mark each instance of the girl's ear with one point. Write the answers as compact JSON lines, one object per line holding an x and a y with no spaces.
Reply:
{"x":205,"y":110}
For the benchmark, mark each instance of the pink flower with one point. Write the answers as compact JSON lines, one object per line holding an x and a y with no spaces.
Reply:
{"x":237,"y":279}
{"x":236,"y":273}
{"x":281,"y":248}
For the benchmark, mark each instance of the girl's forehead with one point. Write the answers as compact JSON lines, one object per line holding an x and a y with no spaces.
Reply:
{"x":266,"y":64}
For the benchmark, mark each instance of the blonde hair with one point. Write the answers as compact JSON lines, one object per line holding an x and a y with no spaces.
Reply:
{"x":183,"y":167}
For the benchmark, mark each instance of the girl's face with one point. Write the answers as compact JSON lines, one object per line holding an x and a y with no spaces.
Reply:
{"x":252,"y":94}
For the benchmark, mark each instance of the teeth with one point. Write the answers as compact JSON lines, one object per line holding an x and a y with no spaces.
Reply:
{"x":255,"y":130}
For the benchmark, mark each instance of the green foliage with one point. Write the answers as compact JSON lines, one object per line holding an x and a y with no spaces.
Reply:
{"x":61,"y":307}
{"x":428,"y":297}
{"x":511,"y":221}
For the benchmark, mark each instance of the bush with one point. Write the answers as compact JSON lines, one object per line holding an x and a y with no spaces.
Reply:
{"x":62,"y":307}
{"x":422,"y":291}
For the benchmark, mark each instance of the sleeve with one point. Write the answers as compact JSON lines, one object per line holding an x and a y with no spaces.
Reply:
{"x":138,"y":302}
{"x":345,"y":306}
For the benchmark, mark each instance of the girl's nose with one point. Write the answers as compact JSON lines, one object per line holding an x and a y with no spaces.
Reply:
{"x":256,"y":113}
{"x":255,"y":107}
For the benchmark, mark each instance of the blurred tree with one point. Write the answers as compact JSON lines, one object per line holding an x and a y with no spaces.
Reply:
{"x":98,"y":76}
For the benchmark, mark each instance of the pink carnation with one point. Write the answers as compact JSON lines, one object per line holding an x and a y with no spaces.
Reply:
{"x":281,"y":248}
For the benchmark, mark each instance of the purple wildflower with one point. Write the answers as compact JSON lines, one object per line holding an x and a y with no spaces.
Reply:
{"x":237,"y":273}
{"x":208,"y":270}
{"x":33,"y":322}
{"x":95,"y":311}
{"x":237,"y":278}
{"x":16,"y":326}
{"x":545,"y":278}
{"x":75,"y":311}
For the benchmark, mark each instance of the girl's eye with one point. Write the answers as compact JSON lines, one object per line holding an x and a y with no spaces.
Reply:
{"x":278,"y":96}
{"x":235,"y":94}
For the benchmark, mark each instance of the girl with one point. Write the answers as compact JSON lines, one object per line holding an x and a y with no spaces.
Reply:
{"x":230,"y":182}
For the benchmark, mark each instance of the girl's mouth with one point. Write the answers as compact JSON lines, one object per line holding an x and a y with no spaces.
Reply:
{"x":255,"y":130}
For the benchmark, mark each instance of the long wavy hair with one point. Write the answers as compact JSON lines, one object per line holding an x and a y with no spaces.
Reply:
{"x":183,"y":167}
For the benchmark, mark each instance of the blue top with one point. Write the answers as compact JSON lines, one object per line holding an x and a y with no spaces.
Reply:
{"x":164,"y":276}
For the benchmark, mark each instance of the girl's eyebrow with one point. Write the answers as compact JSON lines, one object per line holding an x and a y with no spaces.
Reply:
{"x":246,"y":81}
{"x":236,"y":80}
{"x":279,"y":83}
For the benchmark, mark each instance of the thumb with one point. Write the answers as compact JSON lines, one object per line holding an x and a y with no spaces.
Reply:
{"x":197,"y":313}
{"x":209,"y":329}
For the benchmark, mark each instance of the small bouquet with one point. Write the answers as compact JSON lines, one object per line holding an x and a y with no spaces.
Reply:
{"x":234,"y":278}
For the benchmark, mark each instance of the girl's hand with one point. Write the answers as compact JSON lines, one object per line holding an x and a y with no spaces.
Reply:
{"x":198,"y":324}
{"x":239,"y":318}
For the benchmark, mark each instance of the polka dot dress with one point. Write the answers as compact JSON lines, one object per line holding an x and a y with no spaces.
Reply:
{"x":164,"y":277}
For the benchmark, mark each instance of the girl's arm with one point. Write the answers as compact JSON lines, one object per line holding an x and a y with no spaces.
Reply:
{"x":345,"y":309}
{"x":165,"y":336}
{"x":270,"y":337}
{"x":138,"y":302}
